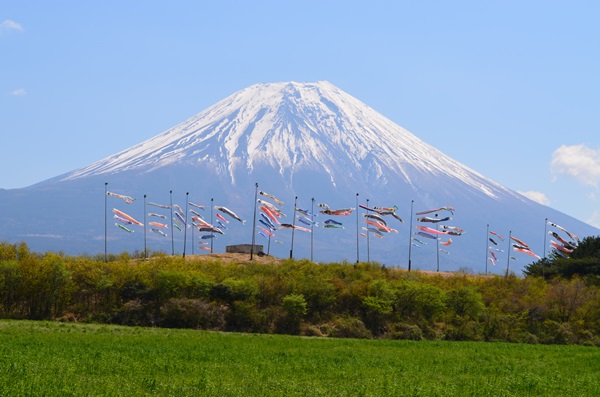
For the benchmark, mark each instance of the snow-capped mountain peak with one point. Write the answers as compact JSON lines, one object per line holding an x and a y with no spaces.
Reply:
{"x":291,"y":126}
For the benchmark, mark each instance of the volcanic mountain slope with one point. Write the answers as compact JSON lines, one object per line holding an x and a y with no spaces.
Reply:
{"x":288,"y":128}
{"x":304,"y":140}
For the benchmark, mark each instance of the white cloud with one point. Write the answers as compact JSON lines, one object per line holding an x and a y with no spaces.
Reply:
{"x":579,"y":162}
{"x":8,"y":25}
{"x":538,"y":197}
{"x":44,"y":235}
{"x":594,"y":220}
{"x":19,"y":92}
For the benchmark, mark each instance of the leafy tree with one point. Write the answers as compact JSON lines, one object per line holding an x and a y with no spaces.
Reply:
{"x":10,"y":282}
{"x":465,"y":302}
{"x":43,"y":287}
{"x":416,"y":300}
{"x":295,"y":308}
{"x":583,"y":261}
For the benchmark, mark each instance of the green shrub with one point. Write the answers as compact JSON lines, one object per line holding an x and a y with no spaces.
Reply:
{"x":192,"y":313}
{"x":404,"y":331}
{"x":244,"y":316}
{"x":295,"y":308}
{"x":10,"y":284}
{"x":348,"y":327}
{"x":465,"y":302}
{"x":43,"y":289}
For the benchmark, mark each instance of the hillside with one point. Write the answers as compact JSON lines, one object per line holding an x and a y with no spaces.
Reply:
{"x":231,"y":293}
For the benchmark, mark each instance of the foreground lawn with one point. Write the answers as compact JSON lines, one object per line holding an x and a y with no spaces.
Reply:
{"x":63,"y":359}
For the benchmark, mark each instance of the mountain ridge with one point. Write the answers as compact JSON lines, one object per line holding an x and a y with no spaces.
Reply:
{"x":244,"y":114}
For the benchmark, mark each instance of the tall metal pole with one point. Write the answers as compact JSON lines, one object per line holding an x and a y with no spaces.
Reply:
{"x":410,"y":234}
{"x":105,"y":222}
{"x":357,"y":232}
{"x":172,"y":231}
{"x":185,"y":225}
{"x":211,"y":222}
{"x":508,"y":261}
{"x":487,"y":234}
{"x":312,"y":224}
{"x":293,"y":227}
{"x":145,"y":227}
{"x":368,"y":240}
{"x":193,"y":227}
{"x":545,"y":249}
{"x":254,"y":221}
{"x":437,"y":245}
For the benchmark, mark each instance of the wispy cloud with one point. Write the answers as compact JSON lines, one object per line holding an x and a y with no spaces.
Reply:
{"x":579,"y":162}
{"x":7,"y":25}
{"x":538,"y":197}
{"x":19,"y":92}
{"x":43,"y":235}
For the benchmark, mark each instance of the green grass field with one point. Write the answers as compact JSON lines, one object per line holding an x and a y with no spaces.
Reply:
{"x":67,"y":359}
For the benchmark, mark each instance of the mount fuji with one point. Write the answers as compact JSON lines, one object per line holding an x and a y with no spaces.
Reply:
{"x":299,"y":142}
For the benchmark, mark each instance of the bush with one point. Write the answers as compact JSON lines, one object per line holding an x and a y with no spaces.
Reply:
{"x":136,"y":313}
{"x":245,"y":316}
{"x":44,"y":286}
{"x":294,"y":308}
{"x":466,"y":330}
{"x":298,"y":297}
{"x":10,"y":283}
{"x":418,"y":301}
{"x":465,"y":302}
{"x":404,"y":331}
{"x":192,"y":313}
{"x":348,"y":327}
{"x":557,"y":333}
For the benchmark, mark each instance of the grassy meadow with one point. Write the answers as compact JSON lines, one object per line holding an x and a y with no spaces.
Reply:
{"x":71,"y":359}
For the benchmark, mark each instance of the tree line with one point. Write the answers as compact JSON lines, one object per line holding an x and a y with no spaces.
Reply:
{"x":364,"y":300}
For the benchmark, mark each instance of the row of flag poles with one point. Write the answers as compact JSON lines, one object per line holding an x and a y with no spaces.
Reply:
{"x":178,"y":219}
{"x":560,"y":248}
{"x":267,"y":222}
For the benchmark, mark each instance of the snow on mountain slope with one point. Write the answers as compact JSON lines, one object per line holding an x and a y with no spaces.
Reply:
{"x":289,"y":127}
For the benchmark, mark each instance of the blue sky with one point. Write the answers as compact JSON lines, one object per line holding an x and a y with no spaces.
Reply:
{"x":509,"y":88}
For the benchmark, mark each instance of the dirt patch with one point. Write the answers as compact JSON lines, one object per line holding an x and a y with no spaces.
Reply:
{"x":229,"y":257}
{"x":452,"y":274}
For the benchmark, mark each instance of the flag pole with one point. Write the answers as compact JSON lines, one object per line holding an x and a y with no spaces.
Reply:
{"x":368,"y":241}
{"x":105,"y":222}
{"x":312,"y":224}
{"x":437,"y":245}
{"x":357,"y":232}
{"x":185,"y":226}
{"x":545,"y":248}
{"x":211,"y":222}
{"x":172,"y":233}
{"x":254,"y":222}
{"x":410,"y":234}
{"x":508,"y":261}
{"x":293,"y":227}
{"x":487,"y":234}
{"x":145,"y":227}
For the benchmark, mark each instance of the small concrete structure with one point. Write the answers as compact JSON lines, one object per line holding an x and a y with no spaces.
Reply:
{"x":243,"y":248}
